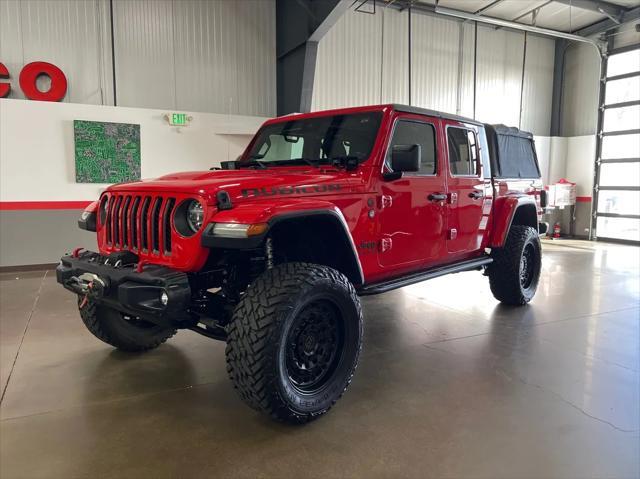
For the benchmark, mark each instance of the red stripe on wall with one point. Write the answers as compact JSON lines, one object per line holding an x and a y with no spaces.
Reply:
{"x":583,"y":199}
{"x":43,"y":205}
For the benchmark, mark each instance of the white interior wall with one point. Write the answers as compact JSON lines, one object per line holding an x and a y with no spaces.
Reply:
{"x":580,"y":163}
{"x":37,"y":146}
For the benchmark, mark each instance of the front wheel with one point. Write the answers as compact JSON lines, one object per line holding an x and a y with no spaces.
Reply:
{"x":294,"y":341}
{"x":515,"y":271}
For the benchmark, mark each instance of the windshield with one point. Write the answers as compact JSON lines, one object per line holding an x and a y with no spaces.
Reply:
{"x":314,"y":141}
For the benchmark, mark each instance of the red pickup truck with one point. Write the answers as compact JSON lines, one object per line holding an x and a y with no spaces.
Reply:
{"x":271,"y":252}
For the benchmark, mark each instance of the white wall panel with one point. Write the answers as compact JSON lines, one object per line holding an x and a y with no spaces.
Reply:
{"x":580,"y":90}
{"x":144,"y":53}
{"x":395,"y":56}
{"x":466,"y":90}
{"x":63,"y":32}
{"x":538,"y":85}
{"x":499,"y":76}
{"x":434,"y":63}
{"x":225,"y":56}
{"x":348,"y":68}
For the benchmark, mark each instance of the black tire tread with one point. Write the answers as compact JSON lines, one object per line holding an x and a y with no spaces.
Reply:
{"x":504,"y":272}
{"x":95,"y":323}
{"x":252,"y":335}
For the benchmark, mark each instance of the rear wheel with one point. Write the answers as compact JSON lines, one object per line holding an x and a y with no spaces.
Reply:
{"x":294,"y":341}
{"x":515,"y":271}
{"x":127,"y":333}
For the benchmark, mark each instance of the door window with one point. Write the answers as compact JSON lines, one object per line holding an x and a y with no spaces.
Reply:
{"x":463,"y":152}
{"x":409,"y":132}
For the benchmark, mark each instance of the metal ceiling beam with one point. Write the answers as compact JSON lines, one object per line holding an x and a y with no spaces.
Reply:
{"x":531,"y":11}
{"x":510,"y":24}
{"x":330,"y":20}
{"x":300,"y":24}
{"x":608,"y":24}
{"x":485,"y":8}
{"x":614,"y":12}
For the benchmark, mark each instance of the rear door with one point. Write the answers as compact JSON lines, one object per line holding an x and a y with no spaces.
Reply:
{"x":466,"y":223}
{"x":412,"y":220}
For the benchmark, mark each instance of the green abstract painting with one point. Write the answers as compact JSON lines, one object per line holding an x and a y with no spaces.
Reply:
{"x":106,"y":152}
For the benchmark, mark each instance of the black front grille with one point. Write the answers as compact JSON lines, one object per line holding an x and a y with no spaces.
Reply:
{"x":139,"y":223}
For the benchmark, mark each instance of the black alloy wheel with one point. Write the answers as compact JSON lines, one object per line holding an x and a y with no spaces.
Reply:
{"x":294,"y":341}
{"x":314,"y":346}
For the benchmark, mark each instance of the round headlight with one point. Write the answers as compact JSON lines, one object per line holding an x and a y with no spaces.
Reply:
{"x":195,"y":215}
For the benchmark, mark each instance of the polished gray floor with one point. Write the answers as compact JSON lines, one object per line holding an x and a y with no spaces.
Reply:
{"x":451,"y":384}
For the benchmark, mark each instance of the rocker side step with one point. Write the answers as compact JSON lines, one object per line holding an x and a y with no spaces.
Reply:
{"x":384,"y":286}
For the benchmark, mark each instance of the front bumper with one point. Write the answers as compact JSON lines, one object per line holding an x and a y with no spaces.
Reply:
{"x":123,"y":288}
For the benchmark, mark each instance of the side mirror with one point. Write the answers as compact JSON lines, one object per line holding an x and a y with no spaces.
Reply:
{"x":404,"y":158}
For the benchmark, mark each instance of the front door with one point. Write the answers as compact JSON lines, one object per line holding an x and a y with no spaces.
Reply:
{"x":413,"y":209}
{"x":465,"y":230}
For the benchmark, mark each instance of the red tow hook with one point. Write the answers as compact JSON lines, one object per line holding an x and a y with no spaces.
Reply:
{"x":85,"y":300}
{"x":76,"y":252}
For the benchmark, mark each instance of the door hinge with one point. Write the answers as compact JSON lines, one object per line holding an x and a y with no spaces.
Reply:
{"x":453,"y":198}
{"x":453,"y":234}
{"x":386,"y":201}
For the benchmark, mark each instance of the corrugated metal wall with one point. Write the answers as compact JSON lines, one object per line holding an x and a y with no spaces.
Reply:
{"x":66,"y":33}
{"x":350,"y":63}
{"x":580,"y":92}
{"x":364,"y":60}
{"x":196,"y":55}
{"x":538,"y":84}
{"x":434,"y":62}
{"x":499,"y":75}
{"x":395,"y":59}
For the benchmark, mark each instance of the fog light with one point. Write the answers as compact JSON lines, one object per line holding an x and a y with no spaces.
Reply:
{"x":164,"y":298}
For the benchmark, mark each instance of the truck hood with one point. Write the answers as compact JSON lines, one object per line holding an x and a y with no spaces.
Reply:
{"x":248,"y":184}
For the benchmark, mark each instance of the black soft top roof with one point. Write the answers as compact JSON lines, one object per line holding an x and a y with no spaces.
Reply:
{"x":512,"y":152}
{"x":509,"y":131}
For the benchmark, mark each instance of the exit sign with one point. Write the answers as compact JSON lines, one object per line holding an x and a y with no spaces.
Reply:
{"x":178,"y":119}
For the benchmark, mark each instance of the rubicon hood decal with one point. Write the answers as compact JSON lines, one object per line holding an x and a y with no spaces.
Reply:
{"x":291,"y":190}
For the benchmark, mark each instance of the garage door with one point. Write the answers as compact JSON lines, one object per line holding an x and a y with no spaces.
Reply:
{"x":617,"y":212}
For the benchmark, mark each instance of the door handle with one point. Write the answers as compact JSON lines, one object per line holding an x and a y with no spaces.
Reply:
{"x":437,"y":197}
{"x":476,"y":195}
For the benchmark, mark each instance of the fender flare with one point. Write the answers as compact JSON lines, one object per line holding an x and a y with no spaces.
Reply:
{"x":278,"y":216}
{"x":505,"y":210}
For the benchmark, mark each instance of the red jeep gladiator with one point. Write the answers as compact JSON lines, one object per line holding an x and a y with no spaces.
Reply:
{"x":271,"y":252}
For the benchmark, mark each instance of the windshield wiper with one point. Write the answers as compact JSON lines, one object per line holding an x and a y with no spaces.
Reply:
{"x":308,"y":162}
{"x":253,"y":160}
{"x":349,"y":162}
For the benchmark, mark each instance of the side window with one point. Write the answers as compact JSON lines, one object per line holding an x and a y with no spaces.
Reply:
{"x":463,"y":152}
{"x":416,"y":133}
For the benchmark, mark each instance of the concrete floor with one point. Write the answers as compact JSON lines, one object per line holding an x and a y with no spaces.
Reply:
{"x":450,"y":384}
